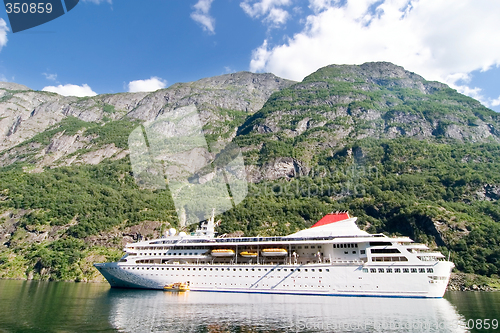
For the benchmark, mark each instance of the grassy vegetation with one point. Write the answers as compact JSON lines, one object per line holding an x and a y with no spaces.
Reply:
{"x":439,"y":192}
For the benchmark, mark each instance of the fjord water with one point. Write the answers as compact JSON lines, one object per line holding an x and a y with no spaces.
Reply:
{"x":94,"y":307}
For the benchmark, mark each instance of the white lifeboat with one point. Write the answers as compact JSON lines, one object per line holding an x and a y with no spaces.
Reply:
{"x":222,"y":253}
{"x":249,"y":254}
{"x":274,"y":252}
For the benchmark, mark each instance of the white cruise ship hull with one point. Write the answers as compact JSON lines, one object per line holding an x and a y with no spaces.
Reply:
{"x":318,"y":279}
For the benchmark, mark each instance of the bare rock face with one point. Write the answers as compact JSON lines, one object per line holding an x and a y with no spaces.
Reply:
{"x":24,"y":112}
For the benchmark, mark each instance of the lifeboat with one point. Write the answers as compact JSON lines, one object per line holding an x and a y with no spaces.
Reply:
{"x":177,"y":286}
{"x":222,"y":253}
{"x":249,"y":254}
{"x":274,"y":252}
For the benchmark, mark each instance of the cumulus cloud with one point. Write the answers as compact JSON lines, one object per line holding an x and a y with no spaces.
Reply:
{"x":3,"y":33}
{"x":495,"y":102}
{"x":152,"y":84}
{"x":50,"y":77}
{"x":202,"y":16}
{"x":271,"y":10}
{"x":71,"y":90}
{"x":442,"y":40}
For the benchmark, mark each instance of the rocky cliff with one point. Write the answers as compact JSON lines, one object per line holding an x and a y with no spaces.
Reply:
{"x":406,"y":155}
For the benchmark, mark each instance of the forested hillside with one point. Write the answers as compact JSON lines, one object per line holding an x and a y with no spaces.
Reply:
{"x":405,"y":155}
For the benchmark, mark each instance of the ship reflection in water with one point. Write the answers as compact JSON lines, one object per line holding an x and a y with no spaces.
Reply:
{"x":154,"y":311}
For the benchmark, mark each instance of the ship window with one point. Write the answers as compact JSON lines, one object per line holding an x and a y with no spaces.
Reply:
{"x":385,"y":251}
{"x":312,"y":270}
{"x":346,"y":252}
{"x":298,"y":269}
{"x":190,"y":253}
{"x":373,"y":270}
{"x":210,"y":269}
{"x":353,"y":252}
{"x":421,"y":270}
{"x":365,"y":270}
{"x":306,"y":247}
{"x":413,"y":270}
{"x":320,"y":270}
{"x":299,"y":247}
{"x":406,"y":270}
{"x":312,"y":247}
{"x":430,"y":270}
{"x":327,"y":269}
{"x":388,"y":270}
{"x":397,"y":270}
{"x":380,"y":270}
{"x":355,"y":245}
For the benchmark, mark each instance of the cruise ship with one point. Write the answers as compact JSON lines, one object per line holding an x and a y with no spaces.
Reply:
{"x":332,"y":258}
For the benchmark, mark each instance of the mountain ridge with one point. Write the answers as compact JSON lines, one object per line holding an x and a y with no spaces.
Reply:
{"x":405,"y":155}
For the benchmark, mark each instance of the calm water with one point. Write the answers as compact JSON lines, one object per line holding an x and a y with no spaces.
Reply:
{"x":78,"y":307}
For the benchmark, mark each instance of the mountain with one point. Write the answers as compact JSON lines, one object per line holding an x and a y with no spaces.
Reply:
{"x":43,"y":129}
{"x":406,"y":155}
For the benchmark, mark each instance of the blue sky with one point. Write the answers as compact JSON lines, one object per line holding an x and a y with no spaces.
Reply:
{"x":110,"y":46}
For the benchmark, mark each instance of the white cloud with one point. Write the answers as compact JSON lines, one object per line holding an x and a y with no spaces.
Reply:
{"x":202,"y":16}
{"x":442,"y":40}
{"x":3,"y":33}
{"x":271,"y":10}
{"x":51,"y":77}
{"x":152,"y":84}
{"x":495,"y":102}
{"x":71,"y":90}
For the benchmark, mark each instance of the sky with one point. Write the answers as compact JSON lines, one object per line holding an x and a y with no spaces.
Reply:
{"x":111,"y":46}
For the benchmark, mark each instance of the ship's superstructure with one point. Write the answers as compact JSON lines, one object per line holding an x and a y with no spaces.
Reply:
{"x":333,"y":257}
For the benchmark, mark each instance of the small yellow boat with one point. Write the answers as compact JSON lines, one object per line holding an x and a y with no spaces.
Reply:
{"x":274,"y":252}
{"x":222,"y":253}
{"x":177,"y":286}
{"x":249,"y":254}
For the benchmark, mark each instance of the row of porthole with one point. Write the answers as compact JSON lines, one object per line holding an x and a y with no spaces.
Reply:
{"x":398,"y":270}
{"x":228,"y":269}
{"x":234,"y":276}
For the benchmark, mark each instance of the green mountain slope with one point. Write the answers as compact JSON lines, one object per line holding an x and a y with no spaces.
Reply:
{"x":405,"y":155}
